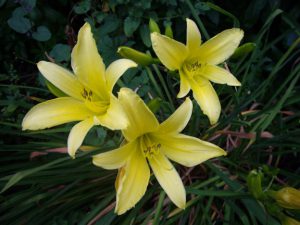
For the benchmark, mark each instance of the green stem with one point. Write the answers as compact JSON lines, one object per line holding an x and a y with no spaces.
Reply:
{"x":198,"y":20}
{"x":157,"y":88}
{"x":159,"y":207}
{"x":161,"y":79}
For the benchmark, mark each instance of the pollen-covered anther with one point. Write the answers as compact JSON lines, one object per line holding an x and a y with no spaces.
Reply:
{"x":151,"y":150}
{"x":192,"y":67}
{"x":87,"y":94}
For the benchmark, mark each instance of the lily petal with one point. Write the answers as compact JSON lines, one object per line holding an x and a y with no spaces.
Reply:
{"x":169,"y":179}
{"x":141,"y":119}
{"x":219,"y":75}
{"x":132,"y":182}
{"x":77,"y":135}
{"x":55,"y":112}
{"x":207,"y":98}
{"x":179,"y":119}
{"x":170,"y":52}
{"x":87,"y":64}
{"x":188,"y":151}
{"x":193,"y":36}
{"x":219,"y":48}
{"x":116,"y":69}
{"x":116,"y":158}
{"x":115,"y":118}
{"x":184,"y":85}
{"x":61,"y":78}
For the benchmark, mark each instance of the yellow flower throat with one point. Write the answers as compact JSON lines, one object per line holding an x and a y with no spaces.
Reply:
{"x":149,"y":147}
{"x":193,"y":67}
{"x":91,"y":102}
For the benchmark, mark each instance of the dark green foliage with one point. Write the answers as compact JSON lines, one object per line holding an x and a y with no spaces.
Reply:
{"x":259,"y":126}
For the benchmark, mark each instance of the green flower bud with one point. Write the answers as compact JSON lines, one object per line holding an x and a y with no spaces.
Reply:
{"x":153,"y":26}
{"x":254,"y":180}
{"x":136,"y":56}
{"x":243,"y":50}
{"x":287,"y":197}
{"x":169,"y":31}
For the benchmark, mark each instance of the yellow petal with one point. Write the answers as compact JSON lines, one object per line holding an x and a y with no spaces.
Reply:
{"x":207,"y":98}
{"x":77,"y":135}
{"x":61,"y":78}
{"x":87,"y":64}
{"x":55,"y":112}
{"x":184,"y":85}
{"x":179,"y":119}
{"x":115,"y":117}
{"x":116,"y":158}
{"x":219,"y":48}
{"x":141,"y":119}
{"x":170,"y":52}
{"x":132,"y":183}
{"x":116,"y":69}
{"x":219,"y":75}
{"x":193,"y":36}
{"x":168,"y":179}
{"x":188,"y":151}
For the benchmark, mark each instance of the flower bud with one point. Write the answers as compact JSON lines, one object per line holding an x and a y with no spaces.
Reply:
{"x":243,"y":50}
{"x":169,"y":31}
{"x":136,"y":56}
{"x":287,"y":197}
{"x":254,"y":184}
{"x":153,"y":26}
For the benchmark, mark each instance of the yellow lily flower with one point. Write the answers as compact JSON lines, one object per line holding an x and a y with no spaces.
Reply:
{"x":147,"y":140}
{"x":197,"y":64}
{"x":89,"y":89}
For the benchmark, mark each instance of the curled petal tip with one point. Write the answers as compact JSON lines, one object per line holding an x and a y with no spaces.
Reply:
{"x":86,"y":25}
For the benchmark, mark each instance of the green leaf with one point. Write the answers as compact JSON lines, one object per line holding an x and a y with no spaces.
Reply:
{"x":82,"y":7}
{"x":130,"y":25}
{"x":18,"y":22}
{"x":111,"y":23}
{"x":61,"y":52}
{"x":145,"y":35}
{"x":19,"y":12}
{"x":20,"y":175}
{"x":2,"y":2}
{"x":42,"y":34}
{"x":28,"y":4}
{"x":154,"y":104}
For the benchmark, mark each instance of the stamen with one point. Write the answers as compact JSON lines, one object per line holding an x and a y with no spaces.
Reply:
{"x":192,"y":67}
{"x":149,"y":147}
{"x":87,"y":94}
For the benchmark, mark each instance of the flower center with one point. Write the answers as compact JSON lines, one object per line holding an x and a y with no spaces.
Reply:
{"x":193,"y":67}
{"x":149,"y":147}
{"x":92,"y":103}
{"x":87,"y":94}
